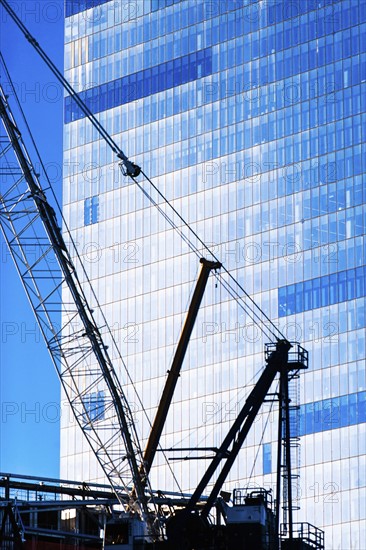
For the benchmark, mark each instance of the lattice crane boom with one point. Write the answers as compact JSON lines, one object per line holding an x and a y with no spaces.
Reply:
{"x":23,"y":209}
{"x":77,"y":349}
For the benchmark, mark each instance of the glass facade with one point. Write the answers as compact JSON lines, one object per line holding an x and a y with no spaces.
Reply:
{"x":250,"y":117}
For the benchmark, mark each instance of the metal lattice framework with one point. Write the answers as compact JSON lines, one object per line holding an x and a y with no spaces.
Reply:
{"x":54,"y":290}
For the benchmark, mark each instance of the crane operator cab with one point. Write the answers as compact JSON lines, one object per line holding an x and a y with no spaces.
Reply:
{"x":250,"y":522}
{"x":123,"y":532}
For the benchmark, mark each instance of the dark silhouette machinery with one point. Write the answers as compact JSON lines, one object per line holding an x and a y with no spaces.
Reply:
{"x":54,"y":289}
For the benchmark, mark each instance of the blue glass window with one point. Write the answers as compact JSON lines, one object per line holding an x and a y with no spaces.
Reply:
{"x":94,"y":404}
{"x":352,"y":408}
{"x":322,"y":291}
{"x":316,"y":301}
{"x":159,"y":4}
{"x":361,"y":407}
{"x":316,"y":421}
{"x":142,"y":84}
{"x":342,"y":286}
{"x":329,"y":414}
{"x":360,"y":282}
{"x":324,"y":283}
{"x":309,"y":417}
{"x":76,"y":6}
{"x":344,"y":411}
{"x":333,"y":288}
{"x":91,"y":210}
{"x":290,"y":302}
{"x":282,"y":301}
{"x":308,"y":302}
{"x":267,"y":458}
{"x":351,"y":284}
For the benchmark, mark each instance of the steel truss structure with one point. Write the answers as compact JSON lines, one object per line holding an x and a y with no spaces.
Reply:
{"x":76,"y":346}
{"x":91,"y":369}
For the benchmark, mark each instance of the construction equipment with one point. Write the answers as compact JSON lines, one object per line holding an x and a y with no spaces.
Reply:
{"x":174,"y":372}
{"x":26,"y":214}
{"x":279,"y":359}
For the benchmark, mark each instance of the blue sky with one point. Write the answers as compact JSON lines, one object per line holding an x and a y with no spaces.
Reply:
{"x":29,"y":388}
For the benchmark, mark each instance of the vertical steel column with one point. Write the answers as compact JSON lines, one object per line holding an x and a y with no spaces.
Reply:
{"x":284,"y":454}
{"x":279,"y":459}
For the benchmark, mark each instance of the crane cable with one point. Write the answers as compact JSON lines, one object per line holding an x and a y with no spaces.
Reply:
{"x":226,"y":284}
{"x":130,"y":167}
{"x":72,"y":242}
{"x":191,"y":246}
{"x":131,"y":170}
{"x":251,"y":475}
{"x":239,"y":398}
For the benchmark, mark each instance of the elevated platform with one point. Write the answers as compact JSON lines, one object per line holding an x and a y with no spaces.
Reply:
{"x":298,"y":357}
{"x":305,"y":537}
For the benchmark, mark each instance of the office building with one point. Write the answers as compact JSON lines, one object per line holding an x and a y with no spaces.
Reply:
{"x":249,"y":117}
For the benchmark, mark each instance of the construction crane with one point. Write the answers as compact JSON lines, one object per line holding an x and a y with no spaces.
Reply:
{"x":25,"y":214}
{"x":23,"y":206}
{"x":21,"y":209}
{"x":279,"y":360}
{"x":174,"y":372}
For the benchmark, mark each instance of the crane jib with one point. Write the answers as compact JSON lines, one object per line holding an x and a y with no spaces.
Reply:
{"x":15,"y":234}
